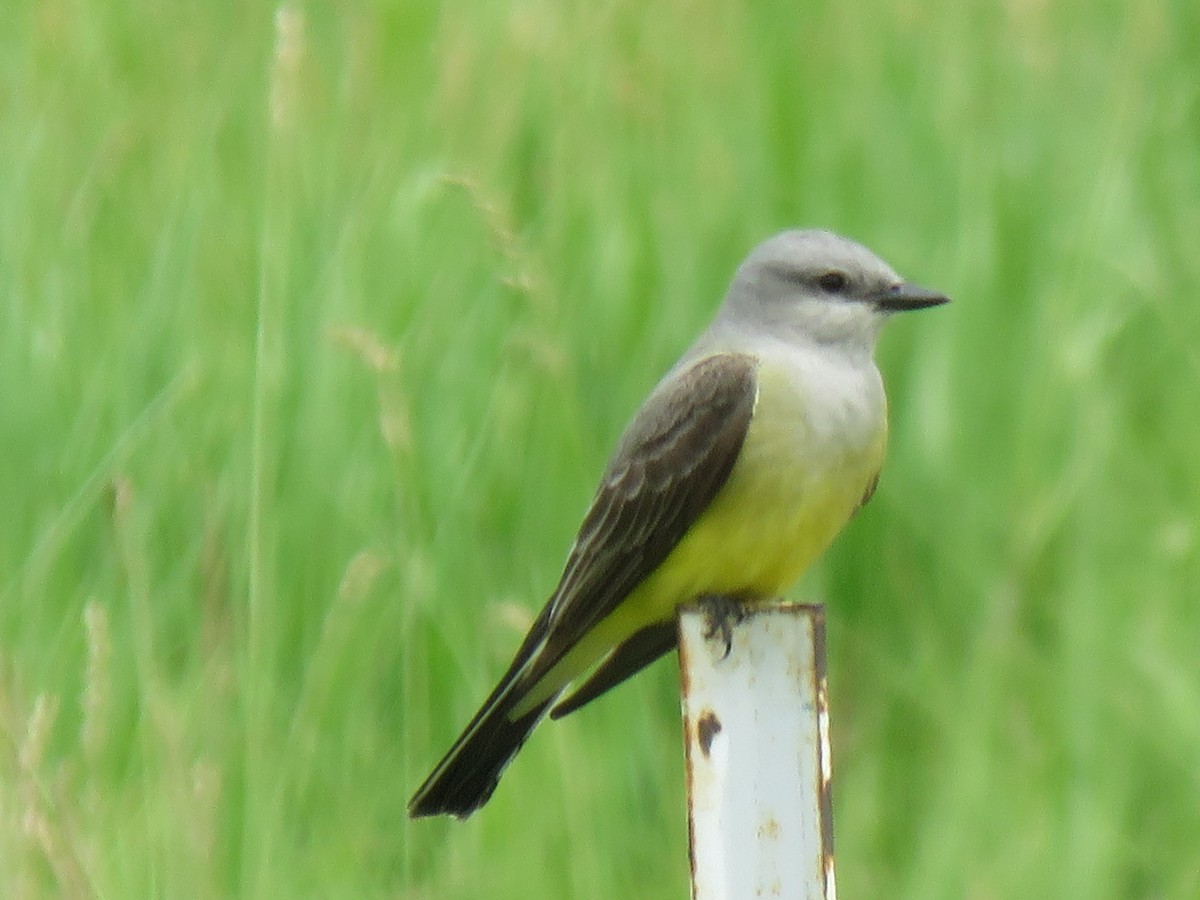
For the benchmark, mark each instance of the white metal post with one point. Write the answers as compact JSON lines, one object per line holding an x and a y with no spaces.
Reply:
{"x":756,"y":726}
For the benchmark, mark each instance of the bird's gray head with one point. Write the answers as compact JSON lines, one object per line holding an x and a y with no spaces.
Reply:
{"x":818,"y":287}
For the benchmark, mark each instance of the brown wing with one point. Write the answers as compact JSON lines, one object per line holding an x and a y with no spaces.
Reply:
{"x":670,"y":464}
{"x":673,"y":459}
{"x":868,"y":493}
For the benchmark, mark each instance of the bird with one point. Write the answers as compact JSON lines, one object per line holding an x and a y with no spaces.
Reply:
{"x":736,"y":473}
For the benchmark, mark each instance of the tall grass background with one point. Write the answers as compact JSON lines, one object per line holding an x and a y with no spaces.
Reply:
{"x":317,"y":323}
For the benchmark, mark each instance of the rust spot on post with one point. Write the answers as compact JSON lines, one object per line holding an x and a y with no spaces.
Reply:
{"x":824,"y":752}
{"x":707,"y":728}
{"x":769,"y":830}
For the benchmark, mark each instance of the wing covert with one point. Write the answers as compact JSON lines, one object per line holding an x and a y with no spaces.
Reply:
{"x":672,"y":460}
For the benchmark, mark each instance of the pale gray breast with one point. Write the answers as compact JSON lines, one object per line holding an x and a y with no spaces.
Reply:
{"x":837,"y":400}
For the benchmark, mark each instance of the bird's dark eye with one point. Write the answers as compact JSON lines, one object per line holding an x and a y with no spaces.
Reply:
{"x":832,"y":282}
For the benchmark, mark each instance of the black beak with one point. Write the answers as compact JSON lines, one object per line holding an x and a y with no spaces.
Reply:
{"x":903,"y":297}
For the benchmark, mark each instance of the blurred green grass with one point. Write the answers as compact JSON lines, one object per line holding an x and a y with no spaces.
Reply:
{"x":316,"y":327}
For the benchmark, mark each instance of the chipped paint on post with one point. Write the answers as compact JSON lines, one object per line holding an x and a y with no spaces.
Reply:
{"x":756,"y":729}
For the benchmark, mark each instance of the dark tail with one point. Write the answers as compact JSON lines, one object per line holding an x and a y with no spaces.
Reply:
{"x":468,"y":773}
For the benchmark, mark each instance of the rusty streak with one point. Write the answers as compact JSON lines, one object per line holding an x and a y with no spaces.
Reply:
{"x":707,"y":728}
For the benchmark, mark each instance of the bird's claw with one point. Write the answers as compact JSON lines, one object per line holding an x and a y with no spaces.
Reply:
{"x":721,"y":614}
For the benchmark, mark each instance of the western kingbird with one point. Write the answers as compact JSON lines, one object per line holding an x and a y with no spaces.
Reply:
{"x":736,"y":473}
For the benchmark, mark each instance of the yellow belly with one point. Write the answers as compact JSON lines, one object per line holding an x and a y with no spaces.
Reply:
{"x":777,"y":513}
{"x":793,"y":488}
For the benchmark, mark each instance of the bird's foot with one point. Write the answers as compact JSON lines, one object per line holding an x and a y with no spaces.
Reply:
{"x":721,"y":614}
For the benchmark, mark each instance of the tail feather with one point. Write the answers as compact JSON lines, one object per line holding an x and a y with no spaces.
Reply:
{"x":465,"y":778}
{"x":629,"y":658}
